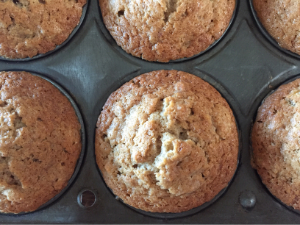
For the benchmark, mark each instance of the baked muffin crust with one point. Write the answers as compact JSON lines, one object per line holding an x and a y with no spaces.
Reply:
{"x":165,"y":30}
{"x":39,"y":141}
{"x":275,"y":142}
{"x":31,"y":27}
{"x":281,"y":18}
{"x":166,"y":142}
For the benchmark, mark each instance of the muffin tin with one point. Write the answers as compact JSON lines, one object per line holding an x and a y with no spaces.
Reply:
{"x":244,"y":66}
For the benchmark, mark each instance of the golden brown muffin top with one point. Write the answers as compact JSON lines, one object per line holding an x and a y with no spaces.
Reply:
{"x":165,"y":30}
{"x":166,"y":142}
{"x":276,"y":146}
{"x":39,"y":141}
{"x":31,"y":27}
{"x":281,"y":18}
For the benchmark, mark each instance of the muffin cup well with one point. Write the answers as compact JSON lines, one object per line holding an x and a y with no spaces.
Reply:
{"x":286,"y":81}
{"x":267,"y":35}
{"x":58,"y":47}
{"x":83,"y":143}
{"x":193,"y":210}
{"x":114,"y":45}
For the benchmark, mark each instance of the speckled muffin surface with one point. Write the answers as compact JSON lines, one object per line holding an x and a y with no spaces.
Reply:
{"x":166,"y":142}
{"x":32,"y":27}
{"x":165,"y":30}
{"x":276,"y":145}
{"x":40,"y":141}
{"x":281,"y":18}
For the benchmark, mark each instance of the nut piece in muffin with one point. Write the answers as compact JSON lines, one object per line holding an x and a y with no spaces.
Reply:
{"x":166,"y":142}
{"x":32,"y":27}
{"x":165,"y":30}
{"x":40,"y":141}
{"x":281,"y":18}
{"x":276,"y":145}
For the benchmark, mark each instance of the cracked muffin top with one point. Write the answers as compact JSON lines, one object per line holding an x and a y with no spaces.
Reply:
{"x":31,"y":27}
{"x":276,"y":145}
{"x":165,"y":30}
{"x":39,"y":141}
{"x":166,"y":142}
{"x":281,"y":18}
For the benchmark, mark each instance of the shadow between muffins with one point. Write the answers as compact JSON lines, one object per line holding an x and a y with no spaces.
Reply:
{"x":83,"y":145}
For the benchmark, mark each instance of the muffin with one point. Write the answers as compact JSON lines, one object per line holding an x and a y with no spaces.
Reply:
{"x":276,"y":145}
{"x":31,"y":27}
{"x":40,"y":141}
{"x":281,"y":18}
{"x":166,"y":141}
{"x":166,"y":30}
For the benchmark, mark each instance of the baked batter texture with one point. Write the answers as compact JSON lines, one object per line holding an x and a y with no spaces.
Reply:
{"x":165,"y":30}
{"x":276,"y":145}
{"x":281,"y":18}
{"x":166,"y":141}
{"x":32,"y":27}
{"x":40,"y":141}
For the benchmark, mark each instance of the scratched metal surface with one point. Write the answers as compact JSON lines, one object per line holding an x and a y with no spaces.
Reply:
{"x":244,"y":66}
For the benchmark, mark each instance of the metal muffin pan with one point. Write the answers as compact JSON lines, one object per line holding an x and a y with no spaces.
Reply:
{"x":244,"y":66}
